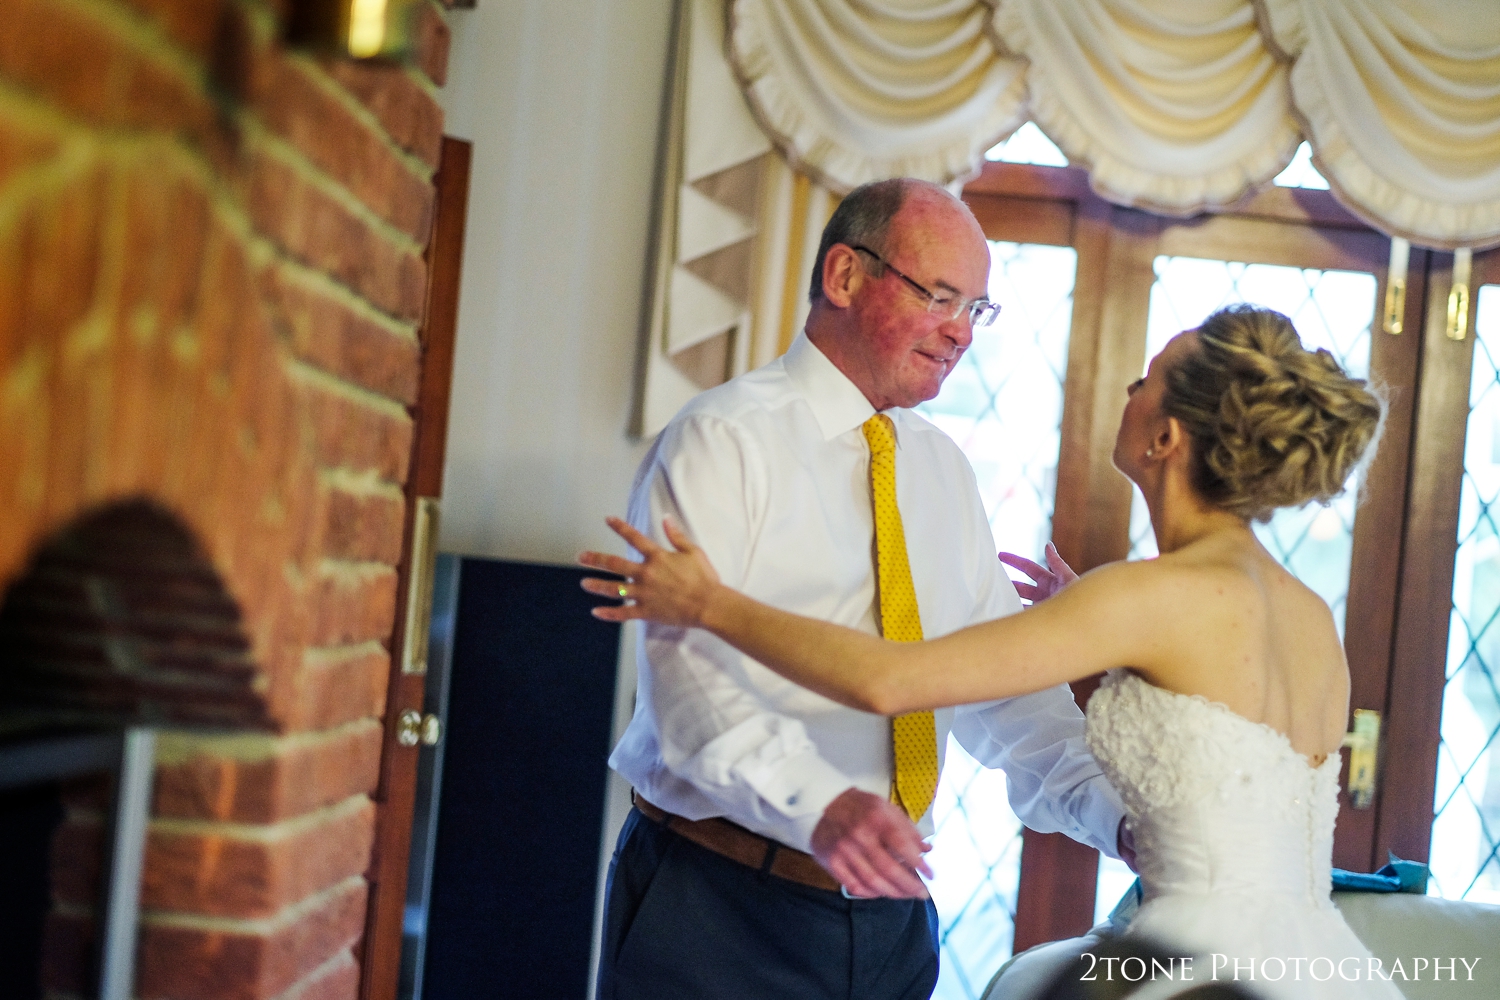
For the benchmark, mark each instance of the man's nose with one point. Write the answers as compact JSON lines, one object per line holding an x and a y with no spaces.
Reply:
{"x":960,"y":330}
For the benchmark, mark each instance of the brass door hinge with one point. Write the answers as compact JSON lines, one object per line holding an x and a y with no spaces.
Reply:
{"x":424,"y":531}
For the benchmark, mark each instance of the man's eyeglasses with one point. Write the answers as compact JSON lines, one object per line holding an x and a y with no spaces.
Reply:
{"x":982,"y":312}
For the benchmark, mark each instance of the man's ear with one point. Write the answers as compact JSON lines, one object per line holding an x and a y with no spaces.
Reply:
{"x":842,"y":275}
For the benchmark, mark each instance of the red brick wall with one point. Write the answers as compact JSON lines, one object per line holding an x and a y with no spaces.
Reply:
{"x":211,"y":281}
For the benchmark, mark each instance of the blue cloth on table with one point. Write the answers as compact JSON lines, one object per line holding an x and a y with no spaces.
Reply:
{"x":1398,"y":876}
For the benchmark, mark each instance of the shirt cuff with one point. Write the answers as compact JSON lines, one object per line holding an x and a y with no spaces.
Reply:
{"x":797,"y":794}
{"x":1100,"y":814}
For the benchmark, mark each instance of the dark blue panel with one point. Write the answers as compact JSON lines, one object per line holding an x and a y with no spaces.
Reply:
{"x":522,"y":806}
{"x":29,"y":817}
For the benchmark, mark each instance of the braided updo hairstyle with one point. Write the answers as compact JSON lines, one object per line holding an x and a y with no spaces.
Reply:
{"x":1272,"y":423}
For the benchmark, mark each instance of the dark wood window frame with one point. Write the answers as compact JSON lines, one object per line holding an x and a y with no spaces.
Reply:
{"x":1398,"y":603}
{"x":1429,"y":533}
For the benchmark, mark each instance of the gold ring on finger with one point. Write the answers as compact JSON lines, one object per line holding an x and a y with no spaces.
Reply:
{"x":623,"y":592}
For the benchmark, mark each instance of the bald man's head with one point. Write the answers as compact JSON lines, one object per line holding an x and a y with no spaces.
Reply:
{"x":864,"y":217}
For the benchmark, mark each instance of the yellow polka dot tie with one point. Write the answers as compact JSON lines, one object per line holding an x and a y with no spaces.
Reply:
{"x":913,"y":735}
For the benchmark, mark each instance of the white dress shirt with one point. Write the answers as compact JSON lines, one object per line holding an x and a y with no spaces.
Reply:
{"x":769,"y":473}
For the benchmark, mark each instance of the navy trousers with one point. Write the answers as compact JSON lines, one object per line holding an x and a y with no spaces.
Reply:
{"x":684,"y":923}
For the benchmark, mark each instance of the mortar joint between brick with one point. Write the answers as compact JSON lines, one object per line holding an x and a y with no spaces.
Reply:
{"x":418,"y":167}
{"x":354,"y":571}
{"x":299,"y":370}
{"x":298,"y":990}
{"x":359,"y":482}
{"x":252,"y":926}
{"x":145,"y":37}
{"x":74,"y":159}
{"x":320,"y":282}
{"x":83,"y":147}
{"x":423,"y":80}
{"x":94,"y":330}
{"x":179,"y":747}
{"x":279,"y":830}
{"x":320,"y":657}
{"x":294,"y":159}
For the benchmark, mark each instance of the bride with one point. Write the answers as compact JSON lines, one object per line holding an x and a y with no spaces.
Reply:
{"x":1228,"y":693}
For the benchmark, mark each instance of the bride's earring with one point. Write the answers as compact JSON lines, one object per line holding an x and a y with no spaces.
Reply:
{"x":1150,"y":452}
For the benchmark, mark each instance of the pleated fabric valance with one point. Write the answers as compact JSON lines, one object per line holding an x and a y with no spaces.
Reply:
{"x":1400,"y":100}
{"x":778,"y":107}
{"x":1175,"y":105}
{"x":860,"y":91}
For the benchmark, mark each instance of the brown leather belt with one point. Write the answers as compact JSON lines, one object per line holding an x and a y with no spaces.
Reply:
{"x":738,"y":844}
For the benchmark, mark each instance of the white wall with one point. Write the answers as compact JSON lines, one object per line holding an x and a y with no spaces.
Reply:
{"x":562,"y":100}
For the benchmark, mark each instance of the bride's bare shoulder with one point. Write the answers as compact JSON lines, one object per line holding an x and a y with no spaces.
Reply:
{"x":1187,"y":595}
{"x":1192,"y":574}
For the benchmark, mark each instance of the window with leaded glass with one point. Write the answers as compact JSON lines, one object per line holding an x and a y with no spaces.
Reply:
{"x":1466,"y":820}
{"x":1003,"y":405}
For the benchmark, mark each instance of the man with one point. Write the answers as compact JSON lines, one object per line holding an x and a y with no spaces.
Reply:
{"x":766,"y":856}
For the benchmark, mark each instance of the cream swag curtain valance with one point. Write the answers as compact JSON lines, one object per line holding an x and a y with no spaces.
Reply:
{"x":1174,"y":105}
{"x":777,"y":107}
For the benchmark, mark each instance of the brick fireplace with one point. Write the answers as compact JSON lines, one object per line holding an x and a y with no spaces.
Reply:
{"x":211,"y":286}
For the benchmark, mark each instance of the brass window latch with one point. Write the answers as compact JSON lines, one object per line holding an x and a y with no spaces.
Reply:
{"x":1364,"y":748}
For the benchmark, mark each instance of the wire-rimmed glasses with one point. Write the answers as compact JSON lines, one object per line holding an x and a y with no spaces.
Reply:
{"x":982,"y":312}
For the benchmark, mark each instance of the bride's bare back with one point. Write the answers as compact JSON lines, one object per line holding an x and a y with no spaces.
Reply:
{"x":1253,"y":638}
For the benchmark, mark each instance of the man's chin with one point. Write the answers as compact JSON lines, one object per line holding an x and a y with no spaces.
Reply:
{"x":929,"y":388}
{"x":918,"y":398}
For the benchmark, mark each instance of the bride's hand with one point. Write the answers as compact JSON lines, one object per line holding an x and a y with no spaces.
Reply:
{"x":671,"y":586}
{"x":1056,"y":575}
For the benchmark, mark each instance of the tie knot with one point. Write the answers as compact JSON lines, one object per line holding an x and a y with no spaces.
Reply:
{"x":880,"y":434}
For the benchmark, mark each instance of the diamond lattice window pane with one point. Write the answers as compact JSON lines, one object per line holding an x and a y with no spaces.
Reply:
{"x":1466,"y":821}
{"x":976,"y":861}
{"x":1003,"y":405}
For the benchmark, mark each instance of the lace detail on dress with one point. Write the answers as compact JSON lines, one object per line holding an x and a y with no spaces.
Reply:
{"x":1160,"y":747}
{"x":1233,"y":832}
{"x":1213,"y":797}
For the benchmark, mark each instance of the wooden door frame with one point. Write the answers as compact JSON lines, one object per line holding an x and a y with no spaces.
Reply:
{"x":1375,"y":569}
{"x":1429,"y":544}
{"x":380,"y":957}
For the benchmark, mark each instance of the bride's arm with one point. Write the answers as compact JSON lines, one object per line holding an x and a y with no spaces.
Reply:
{"x":1101,"y":621}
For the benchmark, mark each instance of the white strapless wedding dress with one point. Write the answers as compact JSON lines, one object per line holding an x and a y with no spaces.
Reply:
{"x":1234,"y":839}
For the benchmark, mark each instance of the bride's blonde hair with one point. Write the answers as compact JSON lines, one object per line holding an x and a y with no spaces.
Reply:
{"x":1272,"y":423}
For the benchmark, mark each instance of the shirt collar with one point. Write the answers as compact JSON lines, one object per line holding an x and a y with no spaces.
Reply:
{"x":836,"y":402}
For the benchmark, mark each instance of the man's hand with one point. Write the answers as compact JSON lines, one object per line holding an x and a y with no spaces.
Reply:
{"x":871,"y":847}
{"x":1049,"y":579}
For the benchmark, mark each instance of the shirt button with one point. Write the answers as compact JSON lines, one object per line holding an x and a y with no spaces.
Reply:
{"x":792,"y":799}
